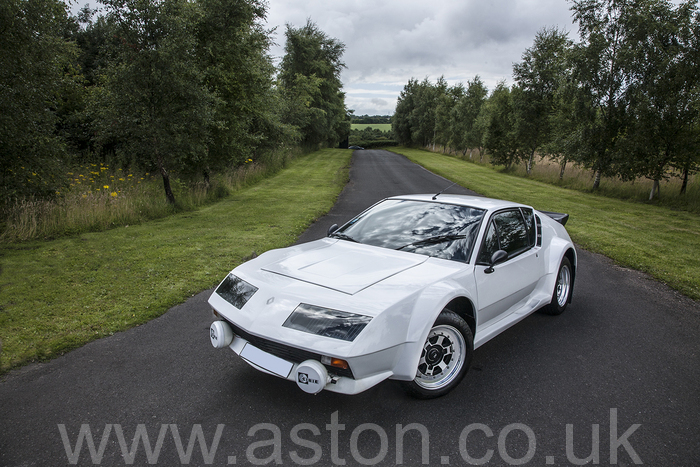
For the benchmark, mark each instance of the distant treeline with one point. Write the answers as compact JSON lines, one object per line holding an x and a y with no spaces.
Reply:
{"x":623,"y":101}
{"x":369,"y":137}
{"x":166,"y":86}
{"x":371,"y":119}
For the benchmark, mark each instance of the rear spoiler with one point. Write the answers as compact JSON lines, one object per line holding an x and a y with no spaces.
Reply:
{"x":557,"y":216}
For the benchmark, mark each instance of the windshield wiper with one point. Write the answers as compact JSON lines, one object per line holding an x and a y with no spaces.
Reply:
{"x":343,"y":236}
{"x":433,"y":240}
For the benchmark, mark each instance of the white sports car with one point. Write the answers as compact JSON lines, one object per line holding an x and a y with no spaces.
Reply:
{"x":405,"y":291}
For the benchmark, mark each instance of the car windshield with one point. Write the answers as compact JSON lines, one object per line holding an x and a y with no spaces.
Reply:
{"x":440,"y":230}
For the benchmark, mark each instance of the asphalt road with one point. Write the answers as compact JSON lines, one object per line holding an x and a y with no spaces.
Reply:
{"x":614,"y":380}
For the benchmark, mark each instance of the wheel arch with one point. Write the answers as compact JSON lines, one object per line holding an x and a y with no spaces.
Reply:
{"x":571,"y":255}
{"x":464,"y":307}
{"x":424,"y":313}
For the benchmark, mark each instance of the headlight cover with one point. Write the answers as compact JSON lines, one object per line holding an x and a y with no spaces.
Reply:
{"x":236,"y":291}
{"x":327,"y":322}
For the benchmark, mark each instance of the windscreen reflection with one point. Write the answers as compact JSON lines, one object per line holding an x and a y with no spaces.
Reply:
{"x":439,"y":230}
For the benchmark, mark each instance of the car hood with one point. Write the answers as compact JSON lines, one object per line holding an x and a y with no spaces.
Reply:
{"x":344,"y":266}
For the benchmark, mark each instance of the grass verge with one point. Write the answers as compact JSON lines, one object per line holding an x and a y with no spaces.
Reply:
{"x":61,"y":294}
{"x":374,"y":126}
{"x":659,"y":241}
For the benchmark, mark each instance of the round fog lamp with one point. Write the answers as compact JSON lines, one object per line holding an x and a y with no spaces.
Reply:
{"x":221,"y":334}
{"x":311,"y":376}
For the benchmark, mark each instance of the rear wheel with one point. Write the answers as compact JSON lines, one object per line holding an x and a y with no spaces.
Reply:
{"x":562,"y":289}
{"x":445,"y":358}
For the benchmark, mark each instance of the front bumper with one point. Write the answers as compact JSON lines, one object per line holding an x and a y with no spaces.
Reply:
{"x":285,"y":361}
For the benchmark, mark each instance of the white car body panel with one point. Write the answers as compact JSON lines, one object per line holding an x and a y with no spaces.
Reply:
{"x":402,"y":292}
{"x":345,"y":267}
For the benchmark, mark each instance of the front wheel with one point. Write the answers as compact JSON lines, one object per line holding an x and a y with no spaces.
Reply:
{"x":562,"y":290}
{"x":445,"y":358}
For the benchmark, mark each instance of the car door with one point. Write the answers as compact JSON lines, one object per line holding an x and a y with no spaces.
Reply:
{"x":507,"y":286}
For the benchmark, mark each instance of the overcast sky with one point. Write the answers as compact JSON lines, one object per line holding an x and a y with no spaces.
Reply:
{"x":387,"y":42}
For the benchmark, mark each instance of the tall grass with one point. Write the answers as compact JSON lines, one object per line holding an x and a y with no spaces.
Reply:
{"x":580,"y":179}
{"x":98,"y":198}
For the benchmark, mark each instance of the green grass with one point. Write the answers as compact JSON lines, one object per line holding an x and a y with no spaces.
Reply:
{"x":375,"y":126}
{"x":58,"y":295}
{"x":656,"y":240}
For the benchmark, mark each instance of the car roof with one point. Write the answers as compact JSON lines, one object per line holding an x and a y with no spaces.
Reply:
{"x":462,"y":200}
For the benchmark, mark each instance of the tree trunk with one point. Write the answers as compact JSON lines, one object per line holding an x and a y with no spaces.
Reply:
{"x":655,"y":188}
{"x":563,"y":168}
{"x":528,"y":166}
{"x":685,"y":180}
{"x":166,"y":185}
{"x":596,"y":180}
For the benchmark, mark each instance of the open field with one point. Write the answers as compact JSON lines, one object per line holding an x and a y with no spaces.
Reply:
{"x":58,"y":295}
{"x":656,"y":240}
{"x":376,"y":126}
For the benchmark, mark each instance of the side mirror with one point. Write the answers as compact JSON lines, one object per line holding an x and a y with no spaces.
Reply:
{"x":497,"y":257}
{"x":332,"y":229}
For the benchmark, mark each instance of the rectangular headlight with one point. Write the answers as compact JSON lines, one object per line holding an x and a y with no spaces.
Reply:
{"x":236,"y":291}
{"x":327,"y":322}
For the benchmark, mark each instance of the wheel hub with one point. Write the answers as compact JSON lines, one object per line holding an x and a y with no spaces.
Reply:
{"x":434,"y":355}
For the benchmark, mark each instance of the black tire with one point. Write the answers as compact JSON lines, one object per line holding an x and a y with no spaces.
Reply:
{"x":562,"y":289}
{"x":446,"y":357}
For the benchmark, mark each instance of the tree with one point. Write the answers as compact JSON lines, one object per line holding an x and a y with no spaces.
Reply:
{"x":422,"y":118}
{"x":498,"y":124}
{"x":446,"y":103}
{"x":401,"y":121}
{"x":36,"y":72}
{"x":538,"y":76}
{"x":601,"y":73}
{"x":564,"y":139}
{"x":466,"y":134}
{"x":665,"y":80}
{"x":233,"y":54}
{"x":92,"y":34}
{"x":415,"y":119}
{"x":155,"y":106}
{"x":310,"y":75}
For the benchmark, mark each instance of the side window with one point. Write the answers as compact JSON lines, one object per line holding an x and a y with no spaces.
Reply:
{"x":509,"y":231}
{"x":529,"y":217}
{"x":490,"y":245}
{"x":512,"y":234}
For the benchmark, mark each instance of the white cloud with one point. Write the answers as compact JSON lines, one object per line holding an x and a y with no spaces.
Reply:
{"x":390,"y":41}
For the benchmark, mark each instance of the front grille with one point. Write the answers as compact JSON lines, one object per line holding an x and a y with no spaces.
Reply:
{"x":286,"y":352}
